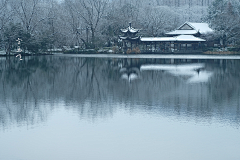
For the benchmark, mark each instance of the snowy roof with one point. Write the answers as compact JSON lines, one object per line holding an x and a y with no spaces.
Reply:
{"x":183,"y":38}
{"x":190,"y":28}
{"x":156,"y":39}
{"x":189,"y":38}
{"x":180,"y":32}
{"x":129,"y":38}
{"x":201,"y":27}
{"x":130,"y":29}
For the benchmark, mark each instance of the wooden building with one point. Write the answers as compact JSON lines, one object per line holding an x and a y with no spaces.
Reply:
{"x":176,"y":44}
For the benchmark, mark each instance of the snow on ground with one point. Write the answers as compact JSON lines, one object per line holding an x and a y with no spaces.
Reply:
{"x":2,"y":52}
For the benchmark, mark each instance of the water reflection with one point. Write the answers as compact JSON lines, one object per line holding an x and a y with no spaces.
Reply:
{"x":194,"y":72}
{"x":192,"y":90}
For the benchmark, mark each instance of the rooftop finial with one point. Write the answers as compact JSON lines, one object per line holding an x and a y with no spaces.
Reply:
{"x":130,"y":24}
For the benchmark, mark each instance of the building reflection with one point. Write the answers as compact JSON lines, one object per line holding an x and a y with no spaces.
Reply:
{"x":95,"y":88}
{"x":129,"y":70}
{"x":192,"y":73}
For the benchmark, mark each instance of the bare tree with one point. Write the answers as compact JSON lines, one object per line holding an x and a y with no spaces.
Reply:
{"x":5,"y":17}
{"x":158,"y":20}
{"x":91,"y":12}
{"x":26,"y":11}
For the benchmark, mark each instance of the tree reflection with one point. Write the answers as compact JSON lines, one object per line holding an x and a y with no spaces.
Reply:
{"x":30,"y":89}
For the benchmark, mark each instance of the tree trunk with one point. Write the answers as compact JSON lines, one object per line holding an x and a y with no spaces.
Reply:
{"x":93,"y":37}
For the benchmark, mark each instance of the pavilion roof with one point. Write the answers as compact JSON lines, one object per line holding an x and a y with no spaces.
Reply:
{"x":130,"y":29}
{"x":181,"y":38}
{"x":129,"y":38}
{"x":189,"y":28}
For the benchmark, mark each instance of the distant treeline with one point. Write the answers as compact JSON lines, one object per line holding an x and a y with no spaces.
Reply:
{"x":49,"y":24}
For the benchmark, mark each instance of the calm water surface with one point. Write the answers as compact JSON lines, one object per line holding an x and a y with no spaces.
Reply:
{"x":76,"y":108}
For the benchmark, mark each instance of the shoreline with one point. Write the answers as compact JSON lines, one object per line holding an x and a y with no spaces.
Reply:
{"x":156,"y":56}
{"x":147,"y":56}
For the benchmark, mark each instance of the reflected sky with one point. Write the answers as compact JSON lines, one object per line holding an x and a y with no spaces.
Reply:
{"x":64,"y":107}
{"x":124,"y":136}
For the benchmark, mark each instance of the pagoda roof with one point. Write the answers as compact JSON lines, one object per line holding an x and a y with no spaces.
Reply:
{"x":181,"y":38}
{"x":189,"y":28}
{"x":129,"y":38}
{"x":130,"y":29}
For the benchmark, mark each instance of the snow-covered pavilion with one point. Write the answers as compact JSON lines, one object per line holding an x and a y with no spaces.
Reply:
{"x":183,"y":40}
{"x":129,"y":38}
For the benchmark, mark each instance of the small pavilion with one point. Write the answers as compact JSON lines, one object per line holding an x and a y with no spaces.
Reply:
{"x":129,"y":39}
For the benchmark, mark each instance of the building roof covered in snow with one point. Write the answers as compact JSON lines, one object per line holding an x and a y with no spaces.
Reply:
{"x":130,"y":29}
{"x":129,"y":38}
{"x":189,"y":28}
{"x":180,"y":38}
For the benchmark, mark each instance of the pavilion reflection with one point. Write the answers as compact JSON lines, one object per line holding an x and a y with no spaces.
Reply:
{"x":129,"y":69}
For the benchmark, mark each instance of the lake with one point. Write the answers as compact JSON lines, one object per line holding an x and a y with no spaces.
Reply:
{"x":70,"y":107}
